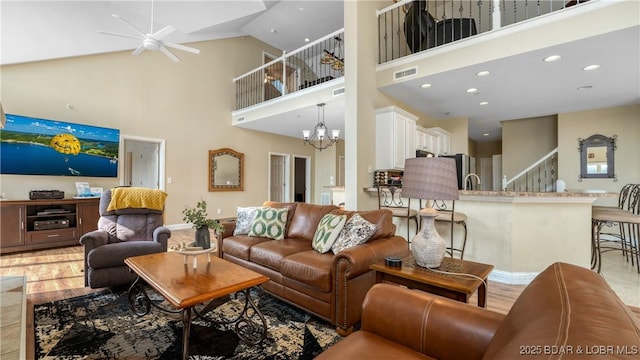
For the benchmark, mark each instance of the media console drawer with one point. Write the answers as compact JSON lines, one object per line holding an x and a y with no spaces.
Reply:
{"x":54,"y":235}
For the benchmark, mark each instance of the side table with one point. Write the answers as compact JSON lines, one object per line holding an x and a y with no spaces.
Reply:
{"x":452,"y":286}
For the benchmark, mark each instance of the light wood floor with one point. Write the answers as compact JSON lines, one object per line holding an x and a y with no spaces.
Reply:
{"x":58,"y":274}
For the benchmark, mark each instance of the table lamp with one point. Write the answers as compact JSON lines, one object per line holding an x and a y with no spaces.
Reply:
{"x":430,"y":178}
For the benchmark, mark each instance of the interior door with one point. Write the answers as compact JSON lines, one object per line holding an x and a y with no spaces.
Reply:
{"x":277,"y":179}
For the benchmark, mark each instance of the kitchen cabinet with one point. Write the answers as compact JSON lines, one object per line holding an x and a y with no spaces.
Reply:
{"x":42,"y":224}
{"x":441,"y":141}
{"x":426,"y":140}
{"x":395,"y":137}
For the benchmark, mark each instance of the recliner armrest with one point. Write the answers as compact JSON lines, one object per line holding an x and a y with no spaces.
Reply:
{"x":162,"y":234}
{"x":432,"y":325}
{"x":93,"y":239}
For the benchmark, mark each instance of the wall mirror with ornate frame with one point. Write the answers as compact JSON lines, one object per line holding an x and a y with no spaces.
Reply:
{"x":226,"y":170}
{"x":596,"y":157}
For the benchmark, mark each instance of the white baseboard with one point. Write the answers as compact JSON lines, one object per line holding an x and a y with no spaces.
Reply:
{"x":179,"y":226}
{"x":517,"y":278}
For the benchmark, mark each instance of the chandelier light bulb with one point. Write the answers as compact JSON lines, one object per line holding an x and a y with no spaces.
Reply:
{"x":335,"y":134}
{"x":306,"y":134}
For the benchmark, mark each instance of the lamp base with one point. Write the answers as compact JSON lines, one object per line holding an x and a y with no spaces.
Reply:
{"x":427,"y":246}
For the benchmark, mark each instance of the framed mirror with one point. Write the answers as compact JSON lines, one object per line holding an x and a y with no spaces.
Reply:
{"x":226,"y":170}
{"x":596,"y":157}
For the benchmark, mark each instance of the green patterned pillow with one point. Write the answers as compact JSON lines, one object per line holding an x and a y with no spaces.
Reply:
{"x":327,"y":232}
{"x":269,"y":222}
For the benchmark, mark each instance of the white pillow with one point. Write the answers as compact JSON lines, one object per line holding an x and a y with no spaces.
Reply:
{"x":244,"y":218}
{"x":355,"y":232}
{"x":327,"y":232}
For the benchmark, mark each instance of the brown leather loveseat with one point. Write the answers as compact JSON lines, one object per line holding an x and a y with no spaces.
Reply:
{"x":331,"y":286}
{"x":566,"y":312}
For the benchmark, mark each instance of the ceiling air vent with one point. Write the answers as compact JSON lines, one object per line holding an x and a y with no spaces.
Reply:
{"x":240,"y":119}
{"x":338,"y":91}
{"x":405,"y":73}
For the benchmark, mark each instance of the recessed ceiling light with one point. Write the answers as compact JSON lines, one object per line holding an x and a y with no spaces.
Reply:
{"x":486,"y":134}
{"x":483,"y":103}
{"x":483,"y":73}
{"x":591,"y":67}
{"x":425,"y":86}
{"x":273,"y":30}
{"x":306,"y":40}
{"x":472,"y":90}
{"x":586,"y":87}
{"x":552,"y":58}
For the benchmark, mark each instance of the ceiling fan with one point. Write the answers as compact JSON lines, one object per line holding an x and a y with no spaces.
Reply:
{"x":153,"y":40}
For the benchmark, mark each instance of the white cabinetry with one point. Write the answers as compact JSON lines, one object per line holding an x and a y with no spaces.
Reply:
{"x":426,"y":140}
{"x":395,"y":137}
{"x":441,"y":141}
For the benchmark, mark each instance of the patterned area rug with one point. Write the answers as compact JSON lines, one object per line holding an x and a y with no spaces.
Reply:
{"x":101,"y":326}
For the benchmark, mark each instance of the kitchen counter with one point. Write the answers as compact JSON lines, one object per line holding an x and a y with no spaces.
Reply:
{"x":521,"y":233}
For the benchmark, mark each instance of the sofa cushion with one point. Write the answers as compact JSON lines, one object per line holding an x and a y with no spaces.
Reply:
{"x":327,"y":232}
{"x":382,"y":218}
{"x":568,"y":306}
{"x":306,"y":219}
{"x":271,"y":253}
{"x":355,"y":232}
{"x":291,"y":209}
{"x":240,"y":245}
{"x":309,"y":267}
{"x":269,"y":223}
{"x":111,"y":255}
{"x":244,"y":219}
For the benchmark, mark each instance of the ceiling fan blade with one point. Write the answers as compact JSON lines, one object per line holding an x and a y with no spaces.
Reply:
{"x":130,"y":25}
{"x":181,"y":47}
{"x":160,"y":34}
{"x":138,"y":50}
{"x":123,"y":35}
{"x":166,"y":51}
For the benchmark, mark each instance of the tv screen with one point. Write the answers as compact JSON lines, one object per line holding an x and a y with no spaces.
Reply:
{"x":33,"y":146}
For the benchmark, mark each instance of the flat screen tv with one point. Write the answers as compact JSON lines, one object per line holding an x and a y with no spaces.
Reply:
{"x":33,"y":146}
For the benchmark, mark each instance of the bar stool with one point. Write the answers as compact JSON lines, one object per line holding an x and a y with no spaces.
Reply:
{"x":389,"y":197}
{"x":627,"y":217}
{"x":449,"y":215}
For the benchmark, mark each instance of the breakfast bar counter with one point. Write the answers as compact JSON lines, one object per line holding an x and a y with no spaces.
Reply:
{"x":521,"y":233}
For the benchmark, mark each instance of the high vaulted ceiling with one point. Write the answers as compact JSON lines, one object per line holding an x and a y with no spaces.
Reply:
{"x":520,"y":86}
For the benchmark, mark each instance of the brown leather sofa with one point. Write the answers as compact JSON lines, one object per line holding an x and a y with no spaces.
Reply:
{"x":566,"y":312}
{"x":331,"y":286}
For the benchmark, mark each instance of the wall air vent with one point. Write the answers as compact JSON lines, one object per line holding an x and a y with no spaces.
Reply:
{"x":240,"y":119}
{"x":398,"y":75}
{"x":339,"y":91}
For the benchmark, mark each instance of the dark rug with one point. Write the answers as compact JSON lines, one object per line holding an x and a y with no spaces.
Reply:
{"x":101,"y":326}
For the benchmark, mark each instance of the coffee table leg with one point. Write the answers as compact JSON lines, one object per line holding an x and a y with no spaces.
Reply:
{"x":186,"y":329}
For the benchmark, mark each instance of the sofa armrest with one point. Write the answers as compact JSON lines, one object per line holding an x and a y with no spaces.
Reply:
{"x":162,"y":234}
{"x":437,"y":327}
{"x":229,"y":226}
{"x":355,"y":261}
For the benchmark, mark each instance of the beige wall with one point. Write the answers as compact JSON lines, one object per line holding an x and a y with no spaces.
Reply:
{"x":621,"y":121}
{"x":188,"y":104}
{"x":488,"y":148}
{"x":525,"y":141}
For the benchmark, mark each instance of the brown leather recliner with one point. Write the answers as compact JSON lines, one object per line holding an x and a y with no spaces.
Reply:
{"x":566,"y":312}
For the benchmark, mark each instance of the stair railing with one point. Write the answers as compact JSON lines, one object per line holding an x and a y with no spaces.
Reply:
{"x":541,"y":176}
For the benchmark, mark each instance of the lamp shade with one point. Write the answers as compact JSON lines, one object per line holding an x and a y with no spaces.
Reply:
{"x":431,"y":178}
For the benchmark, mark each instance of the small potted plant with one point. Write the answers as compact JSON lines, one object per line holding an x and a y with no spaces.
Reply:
{"x":202,"y":223}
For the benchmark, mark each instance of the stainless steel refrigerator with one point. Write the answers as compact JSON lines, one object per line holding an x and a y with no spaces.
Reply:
{"x":465,"y":165}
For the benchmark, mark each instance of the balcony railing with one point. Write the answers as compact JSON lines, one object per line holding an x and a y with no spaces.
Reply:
{"x":409,"y":27}
{"x":541,"y":176}
{"x":312,"y":64}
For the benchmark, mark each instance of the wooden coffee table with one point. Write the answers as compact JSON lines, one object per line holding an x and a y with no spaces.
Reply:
{"x":184,"y":287}
{"x":455,"y":287}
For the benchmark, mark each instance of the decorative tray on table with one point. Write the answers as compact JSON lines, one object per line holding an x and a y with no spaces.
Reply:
{"x":195,"y":251}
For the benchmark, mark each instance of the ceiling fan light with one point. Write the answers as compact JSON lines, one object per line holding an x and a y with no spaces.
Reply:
{"x":151,"y":44}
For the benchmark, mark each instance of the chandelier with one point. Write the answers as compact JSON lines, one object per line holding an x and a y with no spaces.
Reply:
{"x":318,"y":139}
{"x":334,"y":58}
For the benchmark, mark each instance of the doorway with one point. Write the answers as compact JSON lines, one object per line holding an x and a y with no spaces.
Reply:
{"x":278,"y":177}
{"x":302,"y":178}
{"x":143,"y":164}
